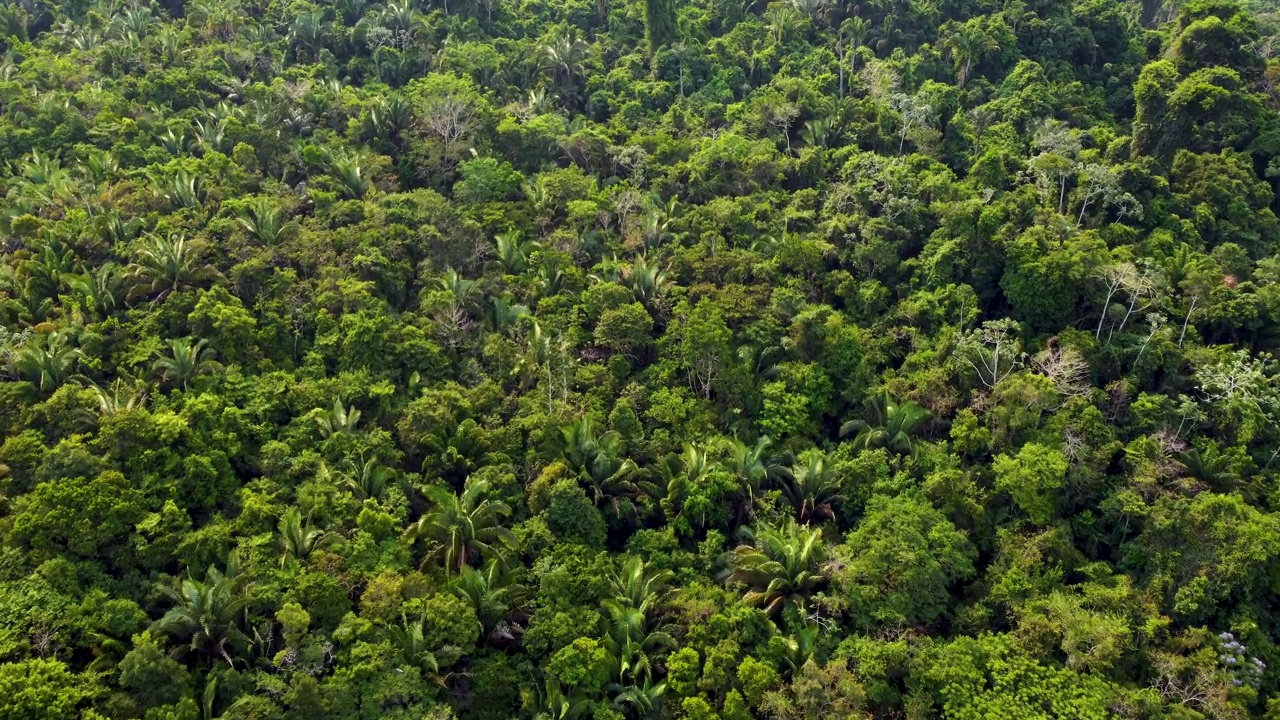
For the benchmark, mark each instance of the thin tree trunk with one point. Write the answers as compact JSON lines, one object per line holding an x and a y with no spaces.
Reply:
{"x":841,"y":50}
{"x":1111,"y":291}
{"x":1187,"y":320}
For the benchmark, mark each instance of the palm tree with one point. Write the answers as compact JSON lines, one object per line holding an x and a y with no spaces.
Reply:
{"x":638,"y":585}
{"x":122,"y":396}
{"x":684,"y":472}
{"x":367,"y":480}
{"x":216,"y":18}
{"x":555,"y":705}
{"x":643,"y":700}
{"x":657,"y":224}
{"x":564,"y":57}
{"x":796,"y":651}
{"x":209,"y":136}
{"x":550,"y":278}
{"x":307,"y":33}
{"x":647,"y":280}
{"x":968,"y":44}
{"x":512,"y":254}
{"x":410,"y":639}
{"x":298,"y":540}
{"x":597,"y":460}
{"x":113,"y":229}
{"x":462,"y":289}
{"x":463,"y":528}
{"x":680,"y":51}
{"x":778,"y":564}
{"x":185,"y":362}
{"x":811,"y":486}
{"x":1210,"y":467}
{"x":264,"y":221}
{"x":341,"y":419}
{"x":630,"y":642}
{"x":809,"y":8}
{"x":348,"y":170}
{"x":853,"y":32}
{"x":98,"y":292}
{"x":169,"y":264}
{"x":101,"y":166}
{"x":503,"y":314}
{"x":170,"y":44}
{"x":761,"y":361}
{"x":206,"y":614}
{"x":402,"y":18}
{"x":390,"y":115}
{"x":175,"y":143}
{"x":537,"y":191}
{"x":47,"y":360}
{"x":225,"y":110}
{"x":493,"y":596}
{"x":891,"y":428}
{"x":818,"y":132}
{"x":753,"y":465}
{"x":783,"y":21}
{"x":138,"y":21}
{"x":41,"y":181}
{"x":44,"y":273}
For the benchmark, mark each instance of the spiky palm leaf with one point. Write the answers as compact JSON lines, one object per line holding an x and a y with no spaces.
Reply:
{"x":46,"y":360}
{"x":185,"y":361}
{"x":638,"y":585}
{"x":891,"y":427}
{"x":166,"y":265}
{"x":98,"y":293}
{"x":341,"y":419}
{"x":778,"y":564}
{"x":206,"y":614}
{"x":264,"y":221}
{"x":631,"y":642}
{"x":811,"y":486}
{"x":297,"y":538}
{"x":463,"y":528}
{"x":494,"y":597}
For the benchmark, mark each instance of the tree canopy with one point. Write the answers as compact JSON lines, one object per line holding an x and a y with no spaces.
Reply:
{"x":632,"y":359}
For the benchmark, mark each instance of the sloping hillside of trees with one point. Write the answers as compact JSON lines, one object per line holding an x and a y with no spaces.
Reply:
{"x":633,"y":359}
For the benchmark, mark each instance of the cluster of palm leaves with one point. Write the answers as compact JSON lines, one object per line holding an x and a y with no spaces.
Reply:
{"x":47,"y":360}
{"x":50,"y":270}
{"x":298,"y":538}
{"x":614,"y":482}
{"x":168,"y":264}
{"x":628,"y":632}
{"x":499,"y":604}
{"x":463,"y":529}
{"x":341,"y":419}
{"x":778,"y":565}
{"x":499,"y":601}
{"x":351,"y":173}
{"x":410,"y":639}
{"x":892,"y":426}
{"x":208,"y":614}
{"x":807,"y":483}
{"x":633,"y":638}
{"x":366,"y":479}
{"x":265,"y":222}
{"x":185,"y":360}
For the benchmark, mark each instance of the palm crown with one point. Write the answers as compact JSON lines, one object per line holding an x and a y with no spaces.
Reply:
{"x":463,"y":528}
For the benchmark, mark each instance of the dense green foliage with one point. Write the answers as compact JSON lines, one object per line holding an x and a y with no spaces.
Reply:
{"x":639,"y":359}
